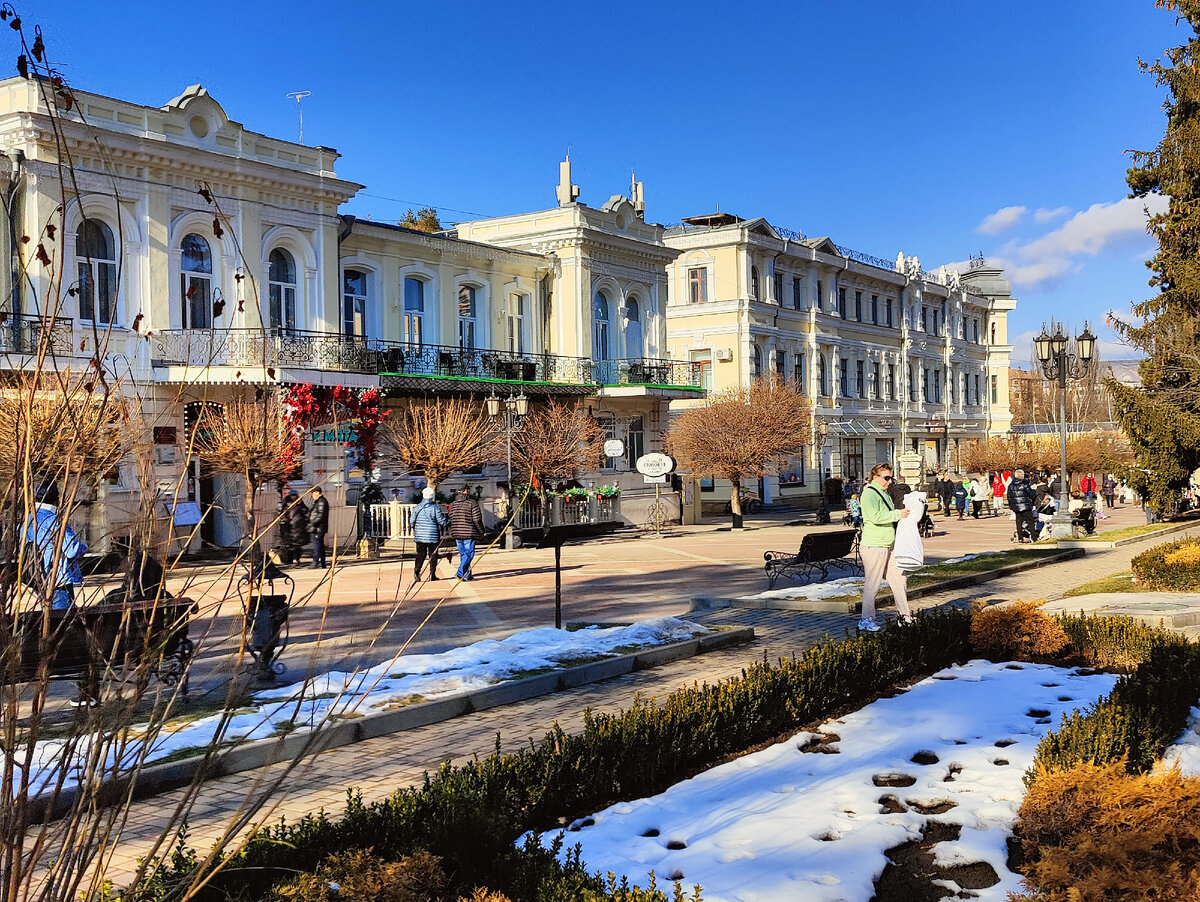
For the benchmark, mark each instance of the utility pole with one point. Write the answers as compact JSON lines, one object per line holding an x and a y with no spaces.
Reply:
{"x":298,"y":96}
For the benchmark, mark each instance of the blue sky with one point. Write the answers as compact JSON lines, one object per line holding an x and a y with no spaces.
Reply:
{"x":940,"y":129}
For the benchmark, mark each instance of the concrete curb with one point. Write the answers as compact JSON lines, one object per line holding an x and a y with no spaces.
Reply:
{"x":1128,"y":540}
{"x":157,"y":778}
{"x":944,"y":585}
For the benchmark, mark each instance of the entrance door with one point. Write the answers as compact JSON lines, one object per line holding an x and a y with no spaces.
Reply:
{"x":931,"y":454}
{"x":200,"y":488}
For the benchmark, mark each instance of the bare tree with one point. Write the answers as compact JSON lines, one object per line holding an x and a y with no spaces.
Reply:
{"x":740,"y":433}
{"x":441,"y":437}
{"x":555,"y":443}
{"x":250,"y":438}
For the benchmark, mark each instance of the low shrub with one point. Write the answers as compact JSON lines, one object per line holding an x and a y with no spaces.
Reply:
{"x":471,"y":815}
{"x":1170,"y":567}
{"x":1094,"y":832}
{"x":1114,"y":642}
{"x":1020,"y":631}
{"x":362,"y":876}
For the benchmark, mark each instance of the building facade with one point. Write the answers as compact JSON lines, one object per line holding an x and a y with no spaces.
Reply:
{"x":894,"y":359}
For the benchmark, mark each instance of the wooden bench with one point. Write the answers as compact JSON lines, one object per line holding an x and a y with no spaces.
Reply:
{"x":116,"y":636}
{"x":818,"y":551}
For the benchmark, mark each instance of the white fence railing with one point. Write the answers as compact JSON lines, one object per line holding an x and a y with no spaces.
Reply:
{"x":564,"y":513}
{"x":390,"y":520}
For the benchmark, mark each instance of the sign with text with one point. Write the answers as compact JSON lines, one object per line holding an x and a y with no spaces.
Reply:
{"x":614,"y":447}
{"x":655,"y":464}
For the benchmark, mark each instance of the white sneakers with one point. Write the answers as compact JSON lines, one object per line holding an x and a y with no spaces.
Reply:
{"x":869,"y":626}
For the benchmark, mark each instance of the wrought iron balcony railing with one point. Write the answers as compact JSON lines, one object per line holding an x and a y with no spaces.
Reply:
{"x":24,"y":334}
{"x":352,"y":354}
{"x":649,"y":371}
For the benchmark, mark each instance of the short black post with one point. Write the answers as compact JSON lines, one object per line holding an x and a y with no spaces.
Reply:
{"x":558,"y":586}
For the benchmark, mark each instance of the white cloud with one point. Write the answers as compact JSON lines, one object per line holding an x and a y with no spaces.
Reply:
{"x":1046,"y":214}
{"x":1003,"y":219}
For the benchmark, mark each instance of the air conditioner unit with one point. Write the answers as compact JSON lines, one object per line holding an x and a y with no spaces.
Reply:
{"x":164,"y":455}
{"x":724,"y":354}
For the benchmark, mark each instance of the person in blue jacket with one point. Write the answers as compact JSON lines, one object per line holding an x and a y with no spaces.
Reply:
{"x":59,"y":562}
{"x":429,"y":524}
{"x":961,"y":493}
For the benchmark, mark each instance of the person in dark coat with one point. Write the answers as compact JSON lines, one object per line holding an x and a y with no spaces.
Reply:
{"x":896,"y":490}
{"x":945,"y":490}
{"x":318,"y":525}
{"x":1021,"y":501}
{"x":466,"y":525}
{"x":834,"y":490}
{"x":294,"y":527}
{"x":429,"y":524}
{"x":960,"y":498}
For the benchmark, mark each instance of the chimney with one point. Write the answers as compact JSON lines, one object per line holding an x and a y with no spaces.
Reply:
{"x":566,"y":192}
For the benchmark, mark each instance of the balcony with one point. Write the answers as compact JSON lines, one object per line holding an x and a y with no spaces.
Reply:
{"x":27,"y":335}
{"x":473,"y":364}
{"x":650,"y":372}
{"x":267,"y":348}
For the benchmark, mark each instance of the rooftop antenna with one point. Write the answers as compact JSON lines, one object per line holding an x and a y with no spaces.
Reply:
{"x":298,"y":96}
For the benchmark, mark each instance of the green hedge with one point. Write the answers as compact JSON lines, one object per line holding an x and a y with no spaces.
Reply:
{"x":1145,"y":712}
{"x":471,"y":815}
{"x":1180,"y":575}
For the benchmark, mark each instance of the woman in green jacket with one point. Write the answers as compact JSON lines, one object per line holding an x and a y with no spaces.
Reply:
{"x":880,"y":517}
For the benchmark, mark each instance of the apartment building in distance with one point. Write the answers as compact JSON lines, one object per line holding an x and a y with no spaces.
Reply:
{"x":893,"y":358}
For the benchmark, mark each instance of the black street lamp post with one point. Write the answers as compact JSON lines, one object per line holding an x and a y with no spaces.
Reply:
{"x":513,"y":409}
{"x":820,"y":431}
{"x":1058,"y":364}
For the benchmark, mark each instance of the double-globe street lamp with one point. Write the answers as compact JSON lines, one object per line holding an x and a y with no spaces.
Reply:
{"x":513,"y":409}
{"x":820,"y":431}
{"x":1058,"y":364}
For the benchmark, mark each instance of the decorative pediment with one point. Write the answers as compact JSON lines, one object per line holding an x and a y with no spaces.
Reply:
{"x":823,"y":245}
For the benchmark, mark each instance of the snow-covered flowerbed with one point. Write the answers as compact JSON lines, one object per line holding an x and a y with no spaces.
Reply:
{"x":400,"y":681}
{"x":810,"y":818}
{"x":1186,"y":750}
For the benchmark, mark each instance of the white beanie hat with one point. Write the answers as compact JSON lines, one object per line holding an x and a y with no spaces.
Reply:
{"x":427,"y":492}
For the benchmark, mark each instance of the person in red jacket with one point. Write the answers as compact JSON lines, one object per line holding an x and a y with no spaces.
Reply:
{"x":999,"y":486}
{"x":1087,"y":485}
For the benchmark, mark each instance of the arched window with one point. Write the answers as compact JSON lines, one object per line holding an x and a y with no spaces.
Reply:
{"x":754,"y":282}
{"x":600,"y":310}
{"x":354,"y":303}
{"x":633,"y":329}
{"x":196,"y":282}
{"x":414,"y":310}
{"x":281,"y":290}
{"x":466,"y":317}
{"x":96,"y":256}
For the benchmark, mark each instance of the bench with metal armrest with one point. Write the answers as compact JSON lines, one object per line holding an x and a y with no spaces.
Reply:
{"x":819,"y":551}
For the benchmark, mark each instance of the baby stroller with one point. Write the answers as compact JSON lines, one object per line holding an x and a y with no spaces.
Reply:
{"x":925,"y":525}
{"x":266,"y":613}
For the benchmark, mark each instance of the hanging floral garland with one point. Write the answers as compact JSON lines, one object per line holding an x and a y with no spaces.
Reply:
{"x":307,"y":406}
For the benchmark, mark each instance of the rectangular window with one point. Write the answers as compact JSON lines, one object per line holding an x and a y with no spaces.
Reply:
{"x":966,"y":389}
{"x":875,"y":309}
{"x":798,"y":373}
{"x":844,"y":377}
{"x":977,"y":389}
{"x":889,"y":312}
{"x":852,"y":458}
{"x":841,"y":302}
{"x":925,"y":320}
{"x":514,"y":328}
{"x":937,"y":386}
{"x":414,"y":310}
{"x":697,"y":285}
{"x":860,"y":381}
{"x":354,"y":304}
{"x":975,"y":329}
{"x":995,"y":390}
{"x":912,"y":385}
{"x":635,"y":444}
{"x":891,"y":383}
{"x":822,"y":375}
{"x":925,"y":384}
{"x":858,"y":306}
{"x":797,"y":292}
{"x":778,"y":288}
{"x":875,"y":380}
{"x":608,"y":425}
{"x":703,"y":359}
{"x":466,"y":317}
{"x":820,"y":295}
{"x":781,"y":363}
{"x":951,"y":384}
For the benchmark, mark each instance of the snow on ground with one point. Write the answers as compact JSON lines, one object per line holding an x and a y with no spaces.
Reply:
{"x":786,"y":824}
{"x":1186,"y":750}
{"x":401,"y":680}
{"x":847,"y":585}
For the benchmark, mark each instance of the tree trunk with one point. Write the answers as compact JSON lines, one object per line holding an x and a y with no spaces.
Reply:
{"x":735,"y":502}
{"x":248,"y":514}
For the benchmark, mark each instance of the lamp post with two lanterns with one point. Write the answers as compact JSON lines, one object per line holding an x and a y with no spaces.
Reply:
{"x":514,"y":410}
{"x":1058,"y":364}
{"x":820,"y":431}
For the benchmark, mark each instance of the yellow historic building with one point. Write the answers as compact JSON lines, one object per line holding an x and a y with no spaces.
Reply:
{"x":893,"y":358}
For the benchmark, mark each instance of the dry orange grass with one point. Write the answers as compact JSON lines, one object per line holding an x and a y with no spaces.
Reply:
{"x":1018,"y":632}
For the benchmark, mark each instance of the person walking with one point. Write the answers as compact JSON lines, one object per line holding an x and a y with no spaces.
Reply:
{"x":429,"y":524}
{"x":58,"y":560}
{"x":880,"y":516}
{"x":977,"y":494}
{"x":1110,"y":491}
{"x":961,"y":494}
{"x":1020,"y":501}
{"x":466,"y":525}
{"x":945,"y":489}
{"x":999,"y":487}
{"x":318,"y":525}
{"x":1087,"y":486}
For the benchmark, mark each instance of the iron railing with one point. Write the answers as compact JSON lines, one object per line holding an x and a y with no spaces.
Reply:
{"x":24,"y":334}
{"x":563,"y":512}
{"x":649,"y":371}
{"x":353,"y":354}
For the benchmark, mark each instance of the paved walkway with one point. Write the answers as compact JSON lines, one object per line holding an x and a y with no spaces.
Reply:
{"x":379,"y":766}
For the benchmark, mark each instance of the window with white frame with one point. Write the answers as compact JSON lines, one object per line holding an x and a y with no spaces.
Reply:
{"x":798,"y":372}
{"x":633,"y":329}
{"x":875,"y":380}
{"x":281,"y":290}
{"x":466,"y":317}
{"x":600,"y":320}
{"x":635,"y":441}
{"x":757,"y":363}
{"x":781,"y":364}
{"x":797,"y":292}
{"x":196,"y":282}
{"x":860,"y":379}
{"x":844,"y":377}
{"x":778,"y":299}
{"x":754,"y":282}
{"x":697,"y":285}
{"x":608,"y":425}
{"x":413,"y":323}
{"x":703,"y":361}
{"x":858,"y":308}
{"x":977,"y":391}
{"x":822,"y":375}
{"x":514,"y":324}
{"x":96,"y":257}
{"x":891,"y":382}
{"x":354,"y":303}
